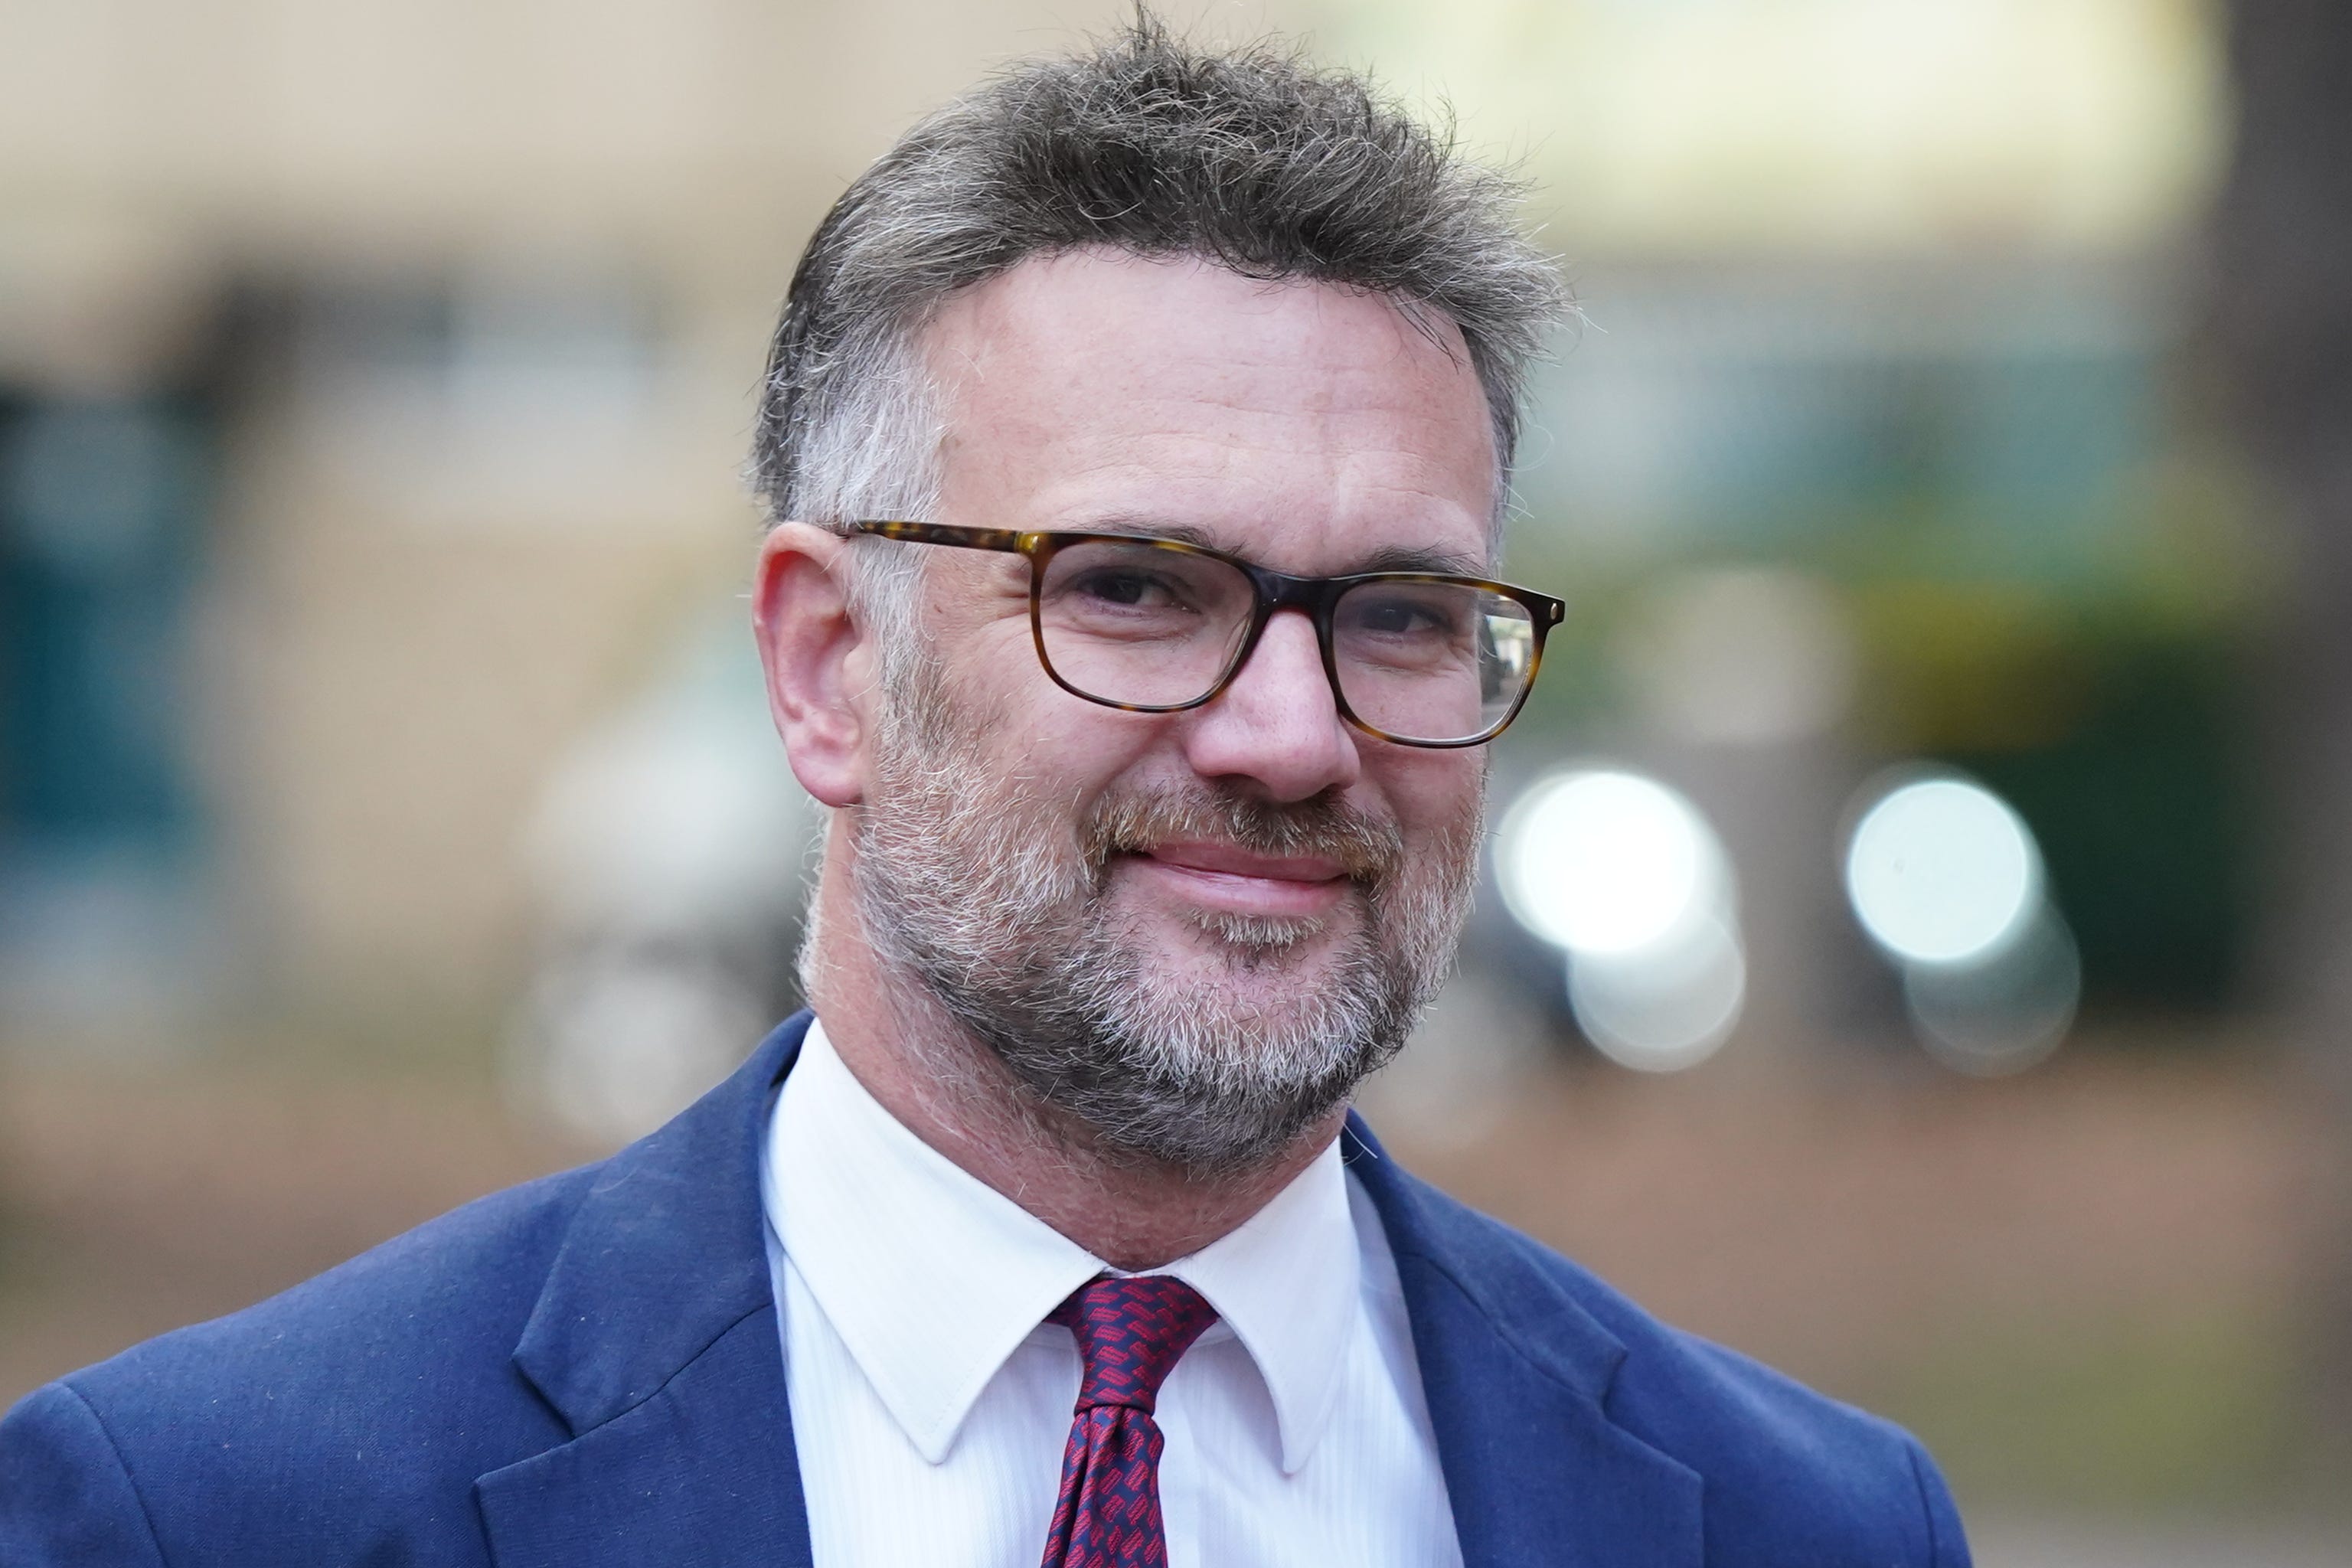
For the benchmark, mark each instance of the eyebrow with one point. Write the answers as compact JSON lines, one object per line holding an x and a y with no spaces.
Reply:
{"x":1388,"y":558}
{"x":1405,"y":557}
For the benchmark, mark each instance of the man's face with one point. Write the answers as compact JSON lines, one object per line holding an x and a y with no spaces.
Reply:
{"x":1197,"y":930}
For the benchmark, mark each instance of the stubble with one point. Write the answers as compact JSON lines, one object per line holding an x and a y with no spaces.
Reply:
{"x":992,"y":891}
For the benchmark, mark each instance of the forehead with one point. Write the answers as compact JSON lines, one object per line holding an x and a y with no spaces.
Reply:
{"x":1306,"y":426}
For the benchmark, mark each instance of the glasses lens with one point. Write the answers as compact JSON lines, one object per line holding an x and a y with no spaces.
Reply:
{"x":1432,"y":661}
{"x":1144,"y":625}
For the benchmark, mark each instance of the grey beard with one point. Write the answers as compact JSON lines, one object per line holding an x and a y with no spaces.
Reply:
{"x":980,"y":889}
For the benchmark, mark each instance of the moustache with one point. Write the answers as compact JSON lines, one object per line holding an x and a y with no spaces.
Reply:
{"x":1369,"y":848}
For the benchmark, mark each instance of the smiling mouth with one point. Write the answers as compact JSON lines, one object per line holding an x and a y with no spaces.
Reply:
{"x":1229,"y":880}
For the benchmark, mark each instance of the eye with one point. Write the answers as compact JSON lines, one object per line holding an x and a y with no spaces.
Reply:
{"x":1404,"y":614}
{"x":1127,"y":587}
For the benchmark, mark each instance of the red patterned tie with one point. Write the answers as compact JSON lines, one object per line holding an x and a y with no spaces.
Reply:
{"x":1130,"y":1333}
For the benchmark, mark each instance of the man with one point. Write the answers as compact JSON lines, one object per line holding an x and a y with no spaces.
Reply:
{"x":1138,"y":436}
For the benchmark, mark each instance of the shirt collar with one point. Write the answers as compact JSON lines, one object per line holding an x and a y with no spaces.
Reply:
{"x":932,"y":1278}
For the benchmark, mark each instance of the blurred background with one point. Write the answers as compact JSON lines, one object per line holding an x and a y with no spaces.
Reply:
{"x":1915,"y":945}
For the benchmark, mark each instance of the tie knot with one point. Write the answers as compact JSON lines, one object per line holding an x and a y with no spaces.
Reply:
{"x":1131,"y":1332}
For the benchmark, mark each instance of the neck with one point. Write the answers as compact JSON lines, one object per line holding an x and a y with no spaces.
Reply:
{"x":950,"y":1091}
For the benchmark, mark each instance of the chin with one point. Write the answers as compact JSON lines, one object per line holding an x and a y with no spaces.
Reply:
{"x":1256,"y":938}
{"x":1250,"y":937}
{"x":1252,"y":962}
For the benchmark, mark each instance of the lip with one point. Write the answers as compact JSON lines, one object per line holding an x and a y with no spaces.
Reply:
{"x":1223,"y":876}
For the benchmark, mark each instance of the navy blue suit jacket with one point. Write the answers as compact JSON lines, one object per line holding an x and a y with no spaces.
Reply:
{"x":585,"y":1371}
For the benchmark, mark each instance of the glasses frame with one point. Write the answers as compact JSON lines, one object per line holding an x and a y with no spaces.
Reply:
{"x":1314,"y":596}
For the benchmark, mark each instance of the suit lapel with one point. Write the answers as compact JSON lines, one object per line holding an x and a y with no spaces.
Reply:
{"x":1517,"y":1374}
{"x":656,"y":1339}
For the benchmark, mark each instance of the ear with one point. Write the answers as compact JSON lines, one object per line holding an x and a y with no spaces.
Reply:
{"x":818,"y":664}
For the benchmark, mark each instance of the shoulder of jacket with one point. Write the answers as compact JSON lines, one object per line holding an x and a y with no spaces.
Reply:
{"x":416,"y":1333}
{"x":1781,"y":1458}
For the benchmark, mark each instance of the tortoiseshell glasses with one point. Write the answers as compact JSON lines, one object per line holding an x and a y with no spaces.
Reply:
{"x":1158,"y":626}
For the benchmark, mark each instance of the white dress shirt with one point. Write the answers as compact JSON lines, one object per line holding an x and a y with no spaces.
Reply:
{"x":931,"y":1400}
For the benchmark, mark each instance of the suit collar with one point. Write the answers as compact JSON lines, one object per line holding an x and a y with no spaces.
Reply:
{"x":874,"y":1218}
{"x":1517,"y":1375}
{"x":663,"y":1255}
{"x":656,"y":1339}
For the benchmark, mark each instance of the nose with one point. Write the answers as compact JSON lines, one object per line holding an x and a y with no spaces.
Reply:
{"x":1277,"y":725}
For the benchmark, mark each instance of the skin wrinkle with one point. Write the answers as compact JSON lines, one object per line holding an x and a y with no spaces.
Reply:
{"x":1387,"y":558}
{"x":1264,"y":425}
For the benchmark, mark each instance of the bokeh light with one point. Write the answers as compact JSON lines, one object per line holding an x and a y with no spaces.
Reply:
{"x":1629,"y":879}
{"x":2005,"y":1015}
{"x":1941,"y":870}
{"x":1947,"y":879}
{"x":1665,"y":1007}
{"x":1602,"y":861}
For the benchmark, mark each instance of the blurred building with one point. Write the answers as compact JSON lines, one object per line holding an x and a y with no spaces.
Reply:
{"x":374,"y":379}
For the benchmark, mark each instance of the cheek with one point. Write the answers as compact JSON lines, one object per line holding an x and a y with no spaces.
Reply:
{"x":1057,"y":744}
{"x":1079,"y":749}
{"x":1432,"y":790}
{"x":989,"y":671}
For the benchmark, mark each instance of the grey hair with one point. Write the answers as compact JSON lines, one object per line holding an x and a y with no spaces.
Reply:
{"x":876,"y":454}
{"x":1148,"y":144}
